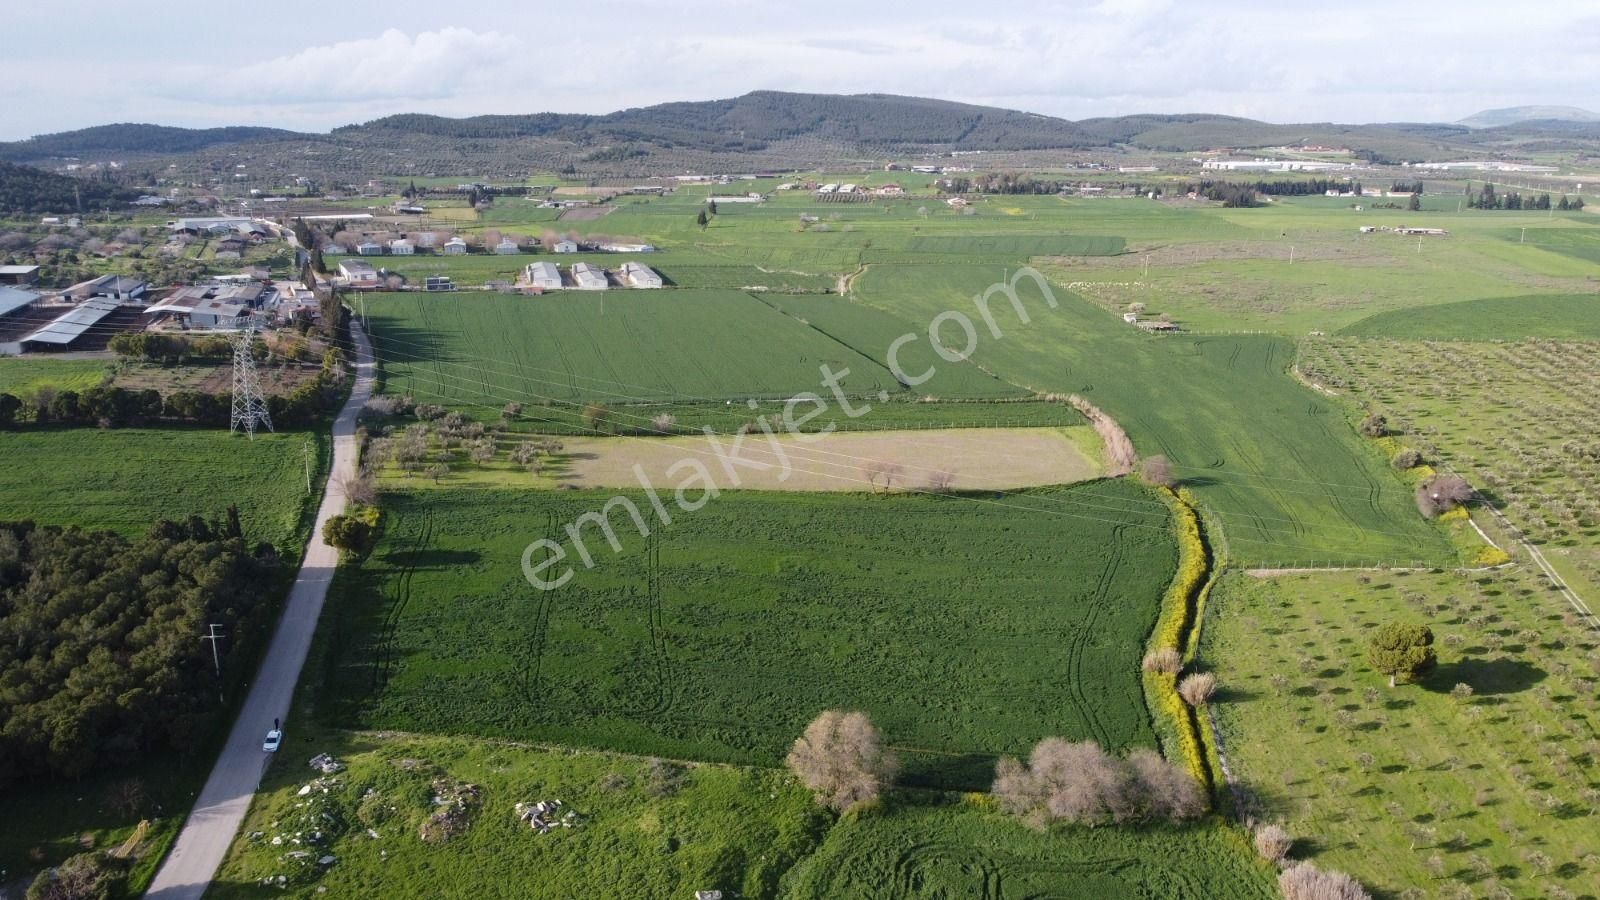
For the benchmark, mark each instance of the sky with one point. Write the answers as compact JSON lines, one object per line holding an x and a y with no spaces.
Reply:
{"x":312,"y":66}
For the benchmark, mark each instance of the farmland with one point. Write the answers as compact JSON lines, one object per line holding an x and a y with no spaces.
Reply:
{"x":1515,"y":418}
{"x":966,"y":849}
{"x":24,"y":377}
{"x":126,"y":479}
{"x":489,"y":349}
{"x":1569,"y":317}
{"x":1419,"y":786}
{"x":1006,"y":620}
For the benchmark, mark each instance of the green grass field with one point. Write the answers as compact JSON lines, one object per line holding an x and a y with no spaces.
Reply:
{"x":640,"y":834}
{"x":1567,"y":317}
{"x":488,"y":349}
{"x":126,"y":479}
{"x":23,"y":377}
{"x":1412,"y":787}
{"x":962,"y":850}
{"x":1280,"y":465}
{"x":967,"y":627}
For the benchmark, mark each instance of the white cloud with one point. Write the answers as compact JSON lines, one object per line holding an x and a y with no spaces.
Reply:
{"x":392,"y":66}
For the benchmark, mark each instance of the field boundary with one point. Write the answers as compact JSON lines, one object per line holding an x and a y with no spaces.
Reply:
{"x":1177,"y":628}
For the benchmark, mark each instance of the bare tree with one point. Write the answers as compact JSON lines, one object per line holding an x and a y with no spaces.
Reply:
{"x":1196,"y":689}
{"x":359,"y":489}
{"x":1303,"y":881}
{"x":1442,"y":493}
{"x":1166,"y":791}
{"x":892,"y":472}
{"x":482,"y":451}
{"x":873,"y":470}
{"x":940,"y":481}
{"x":524,"y":453}
{"x":1166,"y":660}
{"x":1157,"y":470}
{"x":1076,"y":782}
{"x":842,"y":759}
{"x":438,"y":471}
{"x":663,"y":422}
{"x":1273,"y":843}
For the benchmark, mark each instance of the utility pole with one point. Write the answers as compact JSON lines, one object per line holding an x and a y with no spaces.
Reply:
{"x":1291,"y":254}
{"x":1524,"y":238}
{"x":305,"y":450}
{"x":216,"y":658}
{"x":249,"y":403}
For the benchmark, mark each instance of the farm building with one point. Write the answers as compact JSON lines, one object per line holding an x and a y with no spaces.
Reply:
{"x":589,"y":278}
{"x":20,"y":275}
{"x":751,"y":197}
{"x":438,"y":283}
{"x":69,"y":329}
{"x":207,"y":224}
{"x":889,"y":190}
{"x":626,"y":248}
{"x":1429,"y":232}
{"x":358,"y":274}
{"x":110,"y":287}
{"x":639,"y":275}
{"x":369,"y":248}
{"x":506,"y":247}
{"x":542,"y":275}
{"x":456,"y":246}
{"x":401,"y":247}
{"x":566,"y":247}
{"x":332,"y":249}
{"x":13,"y":300}
{"x":218,"y":314}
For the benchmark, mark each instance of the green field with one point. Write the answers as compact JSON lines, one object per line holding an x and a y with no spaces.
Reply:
{"x":961,"y":850}
{"x":127,"y":479}
{"x":639,"y":835}
{"x":1412,"y":787}
{"x":1282,"y":468}
{"x":967,"y":627}
{"x":488,"y":349}
{"x":24,"y":377}
{"x":1567,"y":317}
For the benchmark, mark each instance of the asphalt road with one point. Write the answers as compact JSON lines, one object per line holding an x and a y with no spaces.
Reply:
{"x":217,"y":814}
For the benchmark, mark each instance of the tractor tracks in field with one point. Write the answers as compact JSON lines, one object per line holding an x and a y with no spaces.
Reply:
{"x":384,"y":647}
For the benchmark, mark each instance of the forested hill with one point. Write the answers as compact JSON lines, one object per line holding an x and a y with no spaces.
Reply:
{"x":134,"y":139}
{"x":24,"y":189}
{"x":867,"y":120}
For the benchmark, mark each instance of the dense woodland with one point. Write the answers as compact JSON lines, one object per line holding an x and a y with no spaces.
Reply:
{"x":100,"y":660}
{"x":24,"y":189}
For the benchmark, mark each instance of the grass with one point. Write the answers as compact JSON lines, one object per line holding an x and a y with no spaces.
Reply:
{"x":629,"y":346}
{"x":1281,"y":466}
{"x":1514,"y":418}
{"x":966,"y":627}
{"x":643,"y":831}
{"x":968,"y":850}
{"x":126,"y":479}
{"x":1412,"y":787}
{"x":23,"y":377}
{"x":1568,"y":317}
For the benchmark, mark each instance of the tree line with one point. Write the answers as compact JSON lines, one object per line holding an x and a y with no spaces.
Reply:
{"x":115,"y":407}
{"x":100,"y":657}
{"x":1229,"y":193}
{"x":1488,"y":198}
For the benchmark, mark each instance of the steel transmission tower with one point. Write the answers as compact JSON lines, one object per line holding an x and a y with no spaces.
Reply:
{"x":249,"y":405}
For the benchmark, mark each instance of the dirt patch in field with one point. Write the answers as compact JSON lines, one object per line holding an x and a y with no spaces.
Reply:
{"x":954,"y":459}
{"x":584,"y":213}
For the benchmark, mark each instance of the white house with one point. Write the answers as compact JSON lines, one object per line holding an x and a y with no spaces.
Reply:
{"x":627,"y":248}
{"x":401,"y":247}
{"x":455,"y":246}
{"x":639,"y":275}
{"x":565,"y":246}
{"x":218,"y":314}
{"x":589,"y":278}
{"x":507,"y":246}
{"x":369,"y":248}
{"x":542,"y":275}
{"x":358,"y":273}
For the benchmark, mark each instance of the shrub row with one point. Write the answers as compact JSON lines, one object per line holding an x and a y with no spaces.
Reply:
{"x":115,"y":407}
{"x":1175,"y":718}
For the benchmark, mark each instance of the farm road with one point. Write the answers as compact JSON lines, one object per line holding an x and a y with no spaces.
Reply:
{"x":189,"y":867}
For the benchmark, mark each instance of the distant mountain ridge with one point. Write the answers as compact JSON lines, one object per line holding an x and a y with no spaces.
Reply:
{"x":1514,"y":115}
{"x":762,"y":129}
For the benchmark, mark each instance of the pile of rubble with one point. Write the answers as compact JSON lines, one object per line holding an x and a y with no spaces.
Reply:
{"x":454,"y":803}
{"x":542,"y":816}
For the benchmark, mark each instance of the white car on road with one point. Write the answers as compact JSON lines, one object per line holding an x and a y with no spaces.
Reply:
{"x":274,"y":738}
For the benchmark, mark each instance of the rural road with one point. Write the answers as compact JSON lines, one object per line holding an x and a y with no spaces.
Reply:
{"x":222,"y":804}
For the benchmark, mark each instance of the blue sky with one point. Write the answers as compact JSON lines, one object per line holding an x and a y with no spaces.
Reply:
{"x":312,"y":66}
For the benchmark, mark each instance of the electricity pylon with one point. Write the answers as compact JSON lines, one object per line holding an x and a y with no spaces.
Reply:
{"x":249,"y":404}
